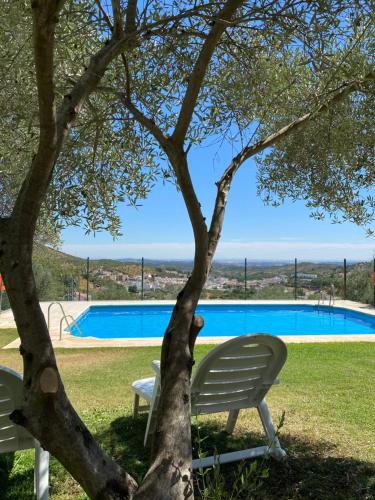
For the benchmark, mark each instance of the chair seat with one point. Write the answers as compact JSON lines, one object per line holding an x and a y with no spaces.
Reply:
{"x":144,"y":387}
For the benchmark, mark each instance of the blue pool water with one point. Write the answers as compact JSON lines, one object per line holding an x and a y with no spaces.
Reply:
{"x":225,"y":320}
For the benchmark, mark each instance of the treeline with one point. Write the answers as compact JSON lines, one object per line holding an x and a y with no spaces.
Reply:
{"x":360,"y":286}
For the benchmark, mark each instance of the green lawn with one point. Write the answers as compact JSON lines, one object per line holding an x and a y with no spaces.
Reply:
{"x":7,"y":336}
{"x":326,"y":391}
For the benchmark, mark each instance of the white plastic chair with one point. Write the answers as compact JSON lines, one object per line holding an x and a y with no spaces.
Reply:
{"x":14,"y":437}
{"x":235,"y":375}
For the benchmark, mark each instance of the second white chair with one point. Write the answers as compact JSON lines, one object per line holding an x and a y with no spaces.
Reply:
{"x":13,"y":437}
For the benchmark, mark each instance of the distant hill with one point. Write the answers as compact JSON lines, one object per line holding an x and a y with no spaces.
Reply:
{"x":69,"y":263}
{"x":60,"y":276}
{"x":42,"y":253}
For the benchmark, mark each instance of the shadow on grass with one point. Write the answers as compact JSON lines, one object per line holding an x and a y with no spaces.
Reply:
{"x":312,"y":471}
{"x":6,"y":465}
{"x":16,"y":480}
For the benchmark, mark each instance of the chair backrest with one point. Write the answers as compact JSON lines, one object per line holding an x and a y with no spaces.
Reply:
{"x":12,"y":436}
{"x":237,"y":374}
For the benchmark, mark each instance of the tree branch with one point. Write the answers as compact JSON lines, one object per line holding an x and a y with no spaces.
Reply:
{"x":45,"y":18}
{"x":223,"y":185}
{"x":127,"y":76}
{"x":336,"y":95}
{"x":87,"y":83}
{"x":177,"y":158}
{"x":131,"y":15}
{"x":149,"y":124}
{"x":141,"y":118}
{"x":196,"y":10}
{"x":54,"y":128}
{"x":200,"y":68}
{"x":104,"y":14}
{"x":118,"y":27}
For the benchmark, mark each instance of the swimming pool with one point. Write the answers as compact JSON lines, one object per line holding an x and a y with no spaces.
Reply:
{"x":150,"y":321}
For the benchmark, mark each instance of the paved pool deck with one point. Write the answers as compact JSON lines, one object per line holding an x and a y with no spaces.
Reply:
{"x":76,"y":308}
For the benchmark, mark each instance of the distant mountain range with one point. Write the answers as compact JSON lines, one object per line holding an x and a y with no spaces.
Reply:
{"x":63,"y":276}
{"x":235,"y":262}
{"x":62,"y":258}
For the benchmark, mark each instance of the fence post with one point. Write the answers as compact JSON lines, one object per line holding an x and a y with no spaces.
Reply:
{"x":344,"y":279}
{"x":142,"y":274}
{"x":295,"y":279}
{"x":87,"y":278}
{"x":245,"y":278}
{"x":373,"y":281}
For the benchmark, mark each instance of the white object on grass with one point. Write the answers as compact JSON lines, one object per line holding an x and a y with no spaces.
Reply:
{"x":235,"y":375}
{"x":14,"y":437}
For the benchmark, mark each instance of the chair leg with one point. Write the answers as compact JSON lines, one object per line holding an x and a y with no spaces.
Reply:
{"x":41,"y":472}
{"x":231,"y":422}
{"x":136,"y":405}
{"x":275,"y":448}
{"x":150,"y":426}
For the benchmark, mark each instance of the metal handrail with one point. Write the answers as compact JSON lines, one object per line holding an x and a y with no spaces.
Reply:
{"x":69,"y":326}
{"x":332,"y":296}
{"x":321,"y":299}
{"x":49,"y":313}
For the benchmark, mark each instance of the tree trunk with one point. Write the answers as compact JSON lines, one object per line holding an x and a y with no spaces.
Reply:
{"x":46,"y":411}
{"x":170,"y":473}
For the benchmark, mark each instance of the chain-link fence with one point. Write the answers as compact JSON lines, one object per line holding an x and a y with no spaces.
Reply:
{"x":147,"y":279}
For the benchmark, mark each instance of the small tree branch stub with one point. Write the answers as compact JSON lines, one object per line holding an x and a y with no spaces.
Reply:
{"x":49,"y":381}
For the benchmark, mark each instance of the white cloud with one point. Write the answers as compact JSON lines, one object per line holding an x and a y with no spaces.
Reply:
{"x":263,"y":250}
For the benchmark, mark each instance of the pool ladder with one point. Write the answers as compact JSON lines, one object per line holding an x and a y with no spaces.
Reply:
{"x":64,"y":317}
{"x":322,"y":298}
{"x":332,"y":296}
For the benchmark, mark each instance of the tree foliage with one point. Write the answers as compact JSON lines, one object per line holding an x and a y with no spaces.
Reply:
{"x":104,"y":162}
{"x":276,"y":62}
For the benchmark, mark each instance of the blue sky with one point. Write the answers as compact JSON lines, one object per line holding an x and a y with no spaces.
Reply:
{"x":160,"y":228}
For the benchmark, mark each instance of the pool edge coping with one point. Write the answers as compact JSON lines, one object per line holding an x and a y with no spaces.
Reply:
{"x":70,"y":341}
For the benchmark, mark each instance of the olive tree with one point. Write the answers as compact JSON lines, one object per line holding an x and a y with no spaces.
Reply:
{"x":282,"y":80}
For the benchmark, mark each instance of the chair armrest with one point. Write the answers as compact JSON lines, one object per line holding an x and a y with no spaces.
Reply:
{"x":156,"y":366}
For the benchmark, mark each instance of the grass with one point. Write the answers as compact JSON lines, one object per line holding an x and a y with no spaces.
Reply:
{"x":7,"y":336}
{"x":329,"y":424}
